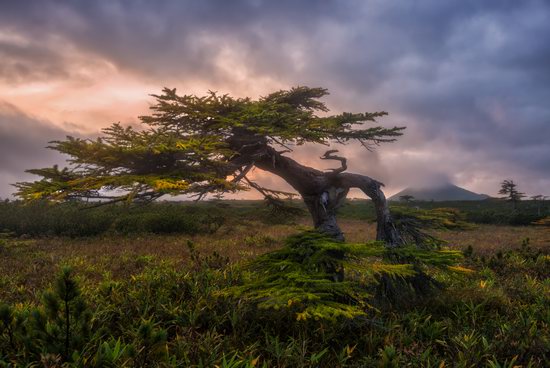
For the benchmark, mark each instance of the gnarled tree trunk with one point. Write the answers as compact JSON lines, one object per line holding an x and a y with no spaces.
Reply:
{"x":324,"y":192}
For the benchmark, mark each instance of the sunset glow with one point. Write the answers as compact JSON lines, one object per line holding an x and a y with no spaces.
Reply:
{"x":470,"y":83}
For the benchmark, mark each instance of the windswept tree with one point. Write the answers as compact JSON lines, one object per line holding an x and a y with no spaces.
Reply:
{"x":199,"y":145}
{"x":406,"y":198}
{"x":510,"y":190}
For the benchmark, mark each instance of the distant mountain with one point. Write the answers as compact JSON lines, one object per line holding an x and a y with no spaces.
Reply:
{"x":445,"y":192}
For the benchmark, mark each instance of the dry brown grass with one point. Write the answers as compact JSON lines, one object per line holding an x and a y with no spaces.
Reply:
{"x":484,"y":239}
{"x":28,"y":266}
{"x":489,"y":239}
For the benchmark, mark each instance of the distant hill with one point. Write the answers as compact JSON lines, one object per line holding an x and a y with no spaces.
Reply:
{"x":445,"y":192}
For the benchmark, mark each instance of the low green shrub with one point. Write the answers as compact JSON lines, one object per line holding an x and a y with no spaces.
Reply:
{"x":75,"y":219}
{"x":314,"y":276}
{"x":503,"y":217}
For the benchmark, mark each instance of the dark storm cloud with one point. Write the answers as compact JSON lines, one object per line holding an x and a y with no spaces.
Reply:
{"x":169,"y":38}
{"x":22,"y":146}
{"x":19,"y":63}
{"x":469,"y":78}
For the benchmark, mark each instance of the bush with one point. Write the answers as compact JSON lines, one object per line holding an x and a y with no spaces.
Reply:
{"x":74,"y":219}
{"x":314,"y":276}
{"x":514,"y":218}
{"x":44,"y":219}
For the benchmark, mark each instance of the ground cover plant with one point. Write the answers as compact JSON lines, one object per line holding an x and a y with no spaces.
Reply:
{"x":145,"y":299}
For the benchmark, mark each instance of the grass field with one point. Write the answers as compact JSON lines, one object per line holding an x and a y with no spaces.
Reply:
{"x":27,"y":266}
{"x":156,"y":299}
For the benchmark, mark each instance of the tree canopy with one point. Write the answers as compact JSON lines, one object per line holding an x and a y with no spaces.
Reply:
{"x":197,"y":145}
{"x":511,"y":192}
{"x":406,"y":198}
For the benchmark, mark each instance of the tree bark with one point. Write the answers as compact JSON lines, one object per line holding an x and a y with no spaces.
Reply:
{"x":324,"y":192}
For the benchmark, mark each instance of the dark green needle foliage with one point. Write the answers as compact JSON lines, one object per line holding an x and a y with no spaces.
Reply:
{"x":316,"y":277}
{"x":196,"y":145}
{"x":12,"y":332}
{"x":414,"y":224}
{"x":511,"y":192}
{"x":151,"y":345}
{"x":62,"y":326}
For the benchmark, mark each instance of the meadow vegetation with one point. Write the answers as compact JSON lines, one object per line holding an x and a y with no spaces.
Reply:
{"x":188,"y":285}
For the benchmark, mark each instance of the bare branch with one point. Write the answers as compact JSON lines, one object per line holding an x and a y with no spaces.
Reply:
{"x":243,"y":173}
{"x":269,"y":193}
{"x":256,"y":186}
{"x":329,"y":156}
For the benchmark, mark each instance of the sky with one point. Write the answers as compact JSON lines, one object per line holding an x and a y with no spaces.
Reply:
{"x":469,"y":79}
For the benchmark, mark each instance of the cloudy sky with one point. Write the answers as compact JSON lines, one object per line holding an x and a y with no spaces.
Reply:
{"x":469,"y":79}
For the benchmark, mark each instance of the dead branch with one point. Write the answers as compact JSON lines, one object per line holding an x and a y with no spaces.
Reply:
{"x":266,"y":192}
{"x":329,"y":156}
{"x":243,"y":173}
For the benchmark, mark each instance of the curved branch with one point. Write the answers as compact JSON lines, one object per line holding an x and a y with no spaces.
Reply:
{"x":329,"y":156}
{"x":385,"y":227}
{"x":314,"y":186}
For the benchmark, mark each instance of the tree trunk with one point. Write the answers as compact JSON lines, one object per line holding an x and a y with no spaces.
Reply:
{"x":323,"y":208}
{"x":324,"y":192}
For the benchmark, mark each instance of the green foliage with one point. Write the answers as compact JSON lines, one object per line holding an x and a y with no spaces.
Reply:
{"x":524,"y":260}
{"x":56,"y":332}
{"x":475,"y":212}
{"x":389,"y":357}
{"x":71,"y":219}
{"x":196,"y":145}
{"x":63,"y":325}
{"x":503,"y":216}
{"x":509,"y":189}
{"x":259,"y":240}
{"x":76,"y":220}
{"x":112,"y":353}
{"x":413,"y":224}
{"x":10,"y":324}
{"x":406,"y":198}
{"x":41,"y":218}
{"x":314,"y":276}
{"x":150,"y":345}
{"x":437,"y":218}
